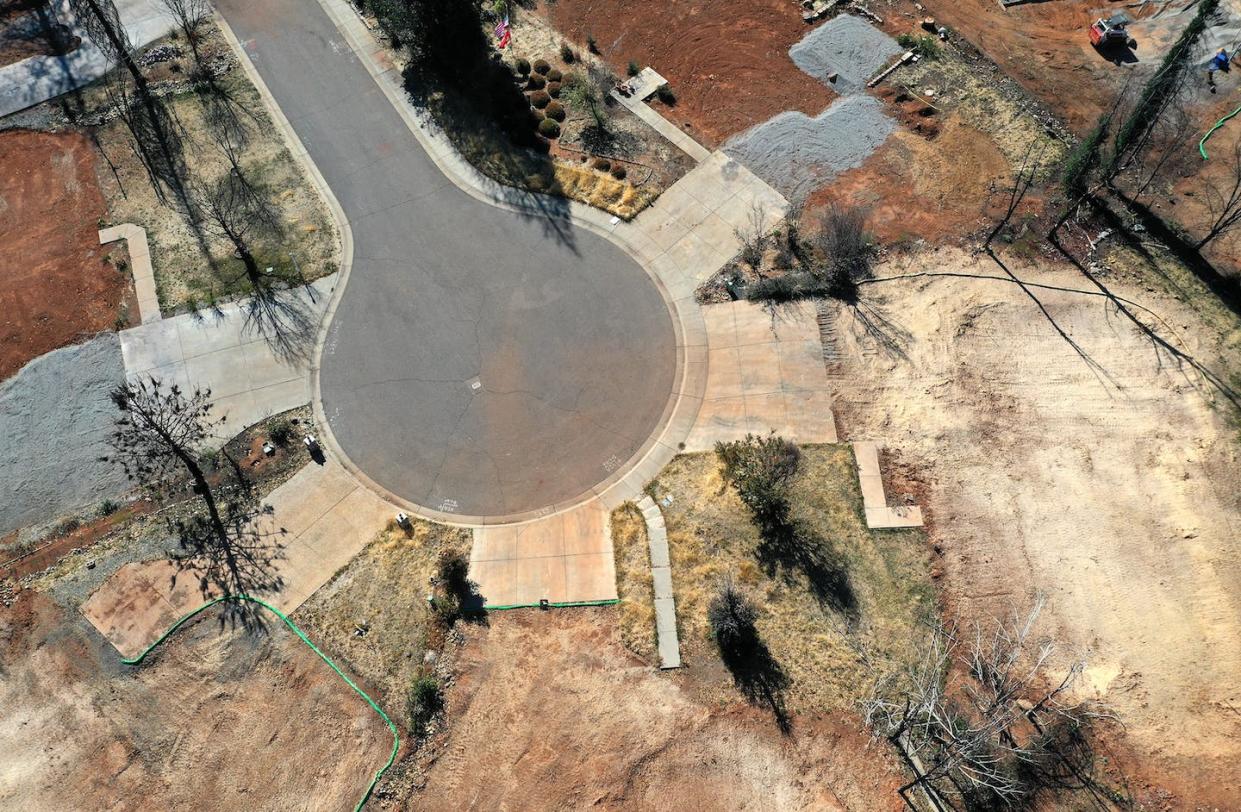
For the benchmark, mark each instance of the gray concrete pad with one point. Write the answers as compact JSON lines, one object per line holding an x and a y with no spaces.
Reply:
{"x":55,"y":419}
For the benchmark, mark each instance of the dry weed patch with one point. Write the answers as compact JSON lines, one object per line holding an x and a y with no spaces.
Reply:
{"x":830,"y":660}
{"x":633,"y":580}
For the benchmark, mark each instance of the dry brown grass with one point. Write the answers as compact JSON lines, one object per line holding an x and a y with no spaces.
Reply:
{"x":600,"y":190}
{"x":633,"y":580}
{"x":193,"y":272}
{"x":385,"y":586}
{"x":831,"y":666}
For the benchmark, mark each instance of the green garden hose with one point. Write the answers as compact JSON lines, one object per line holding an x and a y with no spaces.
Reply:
{"x":1202,"y":145}
{"x":396,"y":739}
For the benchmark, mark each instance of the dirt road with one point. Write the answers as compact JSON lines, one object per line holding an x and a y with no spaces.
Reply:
{"x":1066,"y":455}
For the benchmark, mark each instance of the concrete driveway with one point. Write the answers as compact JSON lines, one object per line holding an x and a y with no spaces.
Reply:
{"x":480,"y":362}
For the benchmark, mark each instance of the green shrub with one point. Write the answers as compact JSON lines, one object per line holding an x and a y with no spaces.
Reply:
{"x":555,"y":111}
{"x":68,"y":526}
{"x":553,"y":89}
{"x":538,"y":116}
{"x":424,"y":701}
{"x":665,"y":95}
{"x":536,"y":82}
{"x":539,"y":99}
{"x":732,"y":617}
{"x":549,"y":128}
{"x":925,"y":46}
{"x":542,"y":66}
{"x":619,"y":172}
{"x":633,"y":69}
{"x":280,"y":432}
{"x":523,"y":67}
{"x":554,"y":75}
{"x":109,"y":506}
{"x":567,"y":55}
{"x":761,"y":469}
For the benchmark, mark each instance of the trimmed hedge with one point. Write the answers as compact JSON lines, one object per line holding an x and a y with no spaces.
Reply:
{"x":535,"y":82}
{"x":523,"y":67}
{"x":549,"y":128}
{"x":555,"y":110}
{"x":539,"y":99}
{"x":541,"y":66}
{"x":554,"y":75}
{"x":553,"y":89}
{"x":619,"y":172}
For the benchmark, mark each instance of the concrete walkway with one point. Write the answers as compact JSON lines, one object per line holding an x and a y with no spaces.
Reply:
{"x":254,"y":358}
{"x":38,"y":78}
{"x":765,"y":373}
{"x":661,"y":577}
{"x":644,"y":85}
{"x":565,"y":558}
{"x":321,"y":518}
{"x":135,"y":238}
{"x":874,"y":501}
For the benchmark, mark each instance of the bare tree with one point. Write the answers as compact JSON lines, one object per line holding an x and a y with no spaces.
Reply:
{"x":843,"y":249}
{"x":1015,"y":193}
{"x":189,"y":16}
{"x":157,"y":441}
{"x":145,"y":115}
{"x":232,"y":209}
{"x":1223,"y":200}
{"x":972,"y":717}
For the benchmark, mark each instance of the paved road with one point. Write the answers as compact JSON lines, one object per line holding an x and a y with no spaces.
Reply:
{"x":480,"y":362}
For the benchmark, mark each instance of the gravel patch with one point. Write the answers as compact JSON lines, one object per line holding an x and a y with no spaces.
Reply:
{"x":848,"y":46}
{"x":55,"y":418}
{"x":796,"y":153}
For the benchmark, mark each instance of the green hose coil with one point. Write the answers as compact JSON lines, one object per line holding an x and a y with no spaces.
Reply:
{"x":396,"y":739}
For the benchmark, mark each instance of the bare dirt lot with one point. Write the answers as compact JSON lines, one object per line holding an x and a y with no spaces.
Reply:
{"x":55,"y":285}
{"x":552,"y":709}
{"x":1063,"y":453}
{"x":726,"y":61}
{"x":1044,"y":46}
{"x":247,"y":722}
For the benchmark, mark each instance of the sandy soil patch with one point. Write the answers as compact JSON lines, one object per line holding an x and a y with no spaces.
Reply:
{"x":247,"y":722}
{"x":556,"y":714}
{"x":56,"y":283}
{"x":726,"y":61}
{"x":1064,"y":454}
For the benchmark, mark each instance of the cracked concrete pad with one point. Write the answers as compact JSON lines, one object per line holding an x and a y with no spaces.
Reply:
{"x":55,"y":419}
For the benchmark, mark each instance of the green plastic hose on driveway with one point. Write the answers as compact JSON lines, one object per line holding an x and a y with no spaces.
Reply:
{"x":396,"y":739}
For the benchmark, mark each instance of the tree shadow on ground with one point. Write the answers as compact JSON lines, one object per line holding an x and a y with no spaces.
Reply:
{"x":758,"y":676}
{"x":241,"y":562}
{"x":789,"y":548}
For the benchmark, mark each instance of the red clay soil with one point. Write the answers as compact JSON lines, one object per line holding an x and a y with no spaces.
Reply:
{"x":549,"y":711}
{"x":55,"y":288}
{"x":914,"y":187}
{"x":1044,"y":47}
{"x":726,"y":60}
